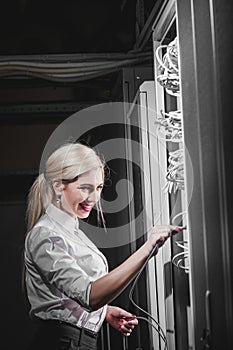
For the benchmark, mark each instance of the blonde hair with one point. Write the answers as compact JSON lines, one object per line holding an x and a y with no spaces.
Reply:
{"x":66,"y":164}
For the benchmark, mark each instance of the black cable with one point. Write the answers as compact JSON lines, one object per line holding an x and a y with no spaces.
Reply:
{"x":159,"y":329}
{"x":153,"y":326}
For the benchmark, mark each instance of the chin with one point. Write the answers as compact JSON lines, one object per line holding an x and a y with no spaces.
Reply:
{"x":82,"y":215}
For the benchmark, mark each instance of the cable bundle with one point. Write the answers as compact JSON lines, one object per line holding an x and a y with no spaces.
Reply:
{"x":170,"y":125}
{"x":179,"y":259}
{"x":151,"y":321}
{"x":168,"y":66}
{"x":68,"y":68}
{"x":175,"y":171}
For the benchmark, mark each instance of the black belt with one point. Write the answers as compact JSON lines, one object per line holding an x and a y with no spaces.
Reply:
{"x":89,"y":333}
{"x":68,"y":328}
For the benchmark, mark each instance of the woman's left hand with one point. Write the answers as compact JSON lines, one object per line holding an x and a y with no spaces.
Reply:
{"x":121,"y":320}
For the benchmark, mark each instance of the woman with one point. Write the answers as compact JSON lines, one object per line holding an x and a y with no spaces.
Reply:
{"x":67,"y":279}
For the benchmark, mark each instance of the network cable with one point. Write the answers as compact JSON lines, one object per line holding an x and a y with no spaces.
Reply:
{"x":158,"y":329}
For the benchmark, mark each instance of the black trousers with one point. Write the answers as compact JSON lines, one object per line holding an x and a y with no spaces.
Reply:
{"x":56,"y":335}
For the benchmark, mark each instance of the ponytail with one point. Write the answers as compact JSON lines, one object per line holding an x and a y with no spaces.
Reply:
{"x":39,"y":197}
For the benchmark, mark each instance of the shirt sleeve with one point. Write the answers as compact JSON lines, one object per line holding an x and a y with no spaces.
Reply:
{"x":50,"y":253}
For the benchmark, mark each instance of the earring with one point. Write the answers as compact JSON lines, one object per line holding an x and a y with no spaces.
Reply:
{"x":58,"y":198}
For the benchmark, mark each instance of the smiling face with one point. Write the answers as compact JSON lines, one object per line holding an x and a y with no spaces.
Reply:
{"x":79,"y":197}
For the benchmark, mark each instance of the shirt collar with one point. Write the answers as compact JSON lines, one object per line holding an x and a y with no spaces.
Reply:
{"x":62,"y":218}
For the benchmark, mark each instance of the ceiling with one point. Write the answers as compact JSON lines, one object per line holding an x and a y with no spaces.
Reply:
{"x":70,"y":26}
{"x":40,"y":32}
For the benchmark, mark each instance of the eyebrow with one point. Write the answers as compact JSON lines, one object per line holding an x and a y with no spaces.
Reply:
{"x":86,"y":184}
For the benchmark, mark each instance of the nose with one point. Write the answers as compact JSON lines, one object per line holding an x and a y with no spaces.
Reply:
{"x":93,"y":197}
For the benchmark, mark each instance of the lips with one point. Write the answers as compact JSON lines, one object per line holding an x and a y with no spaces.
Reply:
{"x":87,"y":208}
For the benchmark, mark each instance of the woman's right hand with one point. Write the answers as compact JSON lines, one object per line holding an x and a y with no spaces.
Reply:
{"x":159,"y":234}
{"x":108,"y":287}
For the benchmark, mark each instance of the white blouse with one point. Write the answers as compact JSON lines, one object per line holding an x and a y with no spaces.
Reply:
{"x":61,"y":262}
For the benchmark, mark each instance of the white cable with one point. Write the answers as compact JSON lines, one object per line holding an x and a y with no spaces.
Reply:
{"x":177,"y":215}
{"x":169,"y":77}
{"x":181,"y":244}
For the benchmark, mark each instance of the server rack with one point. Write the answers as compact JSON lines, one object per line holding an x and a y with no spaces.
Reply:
{"x":168,"y":287}
{"x":205,"y":33}
{"x":194,"y":304}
